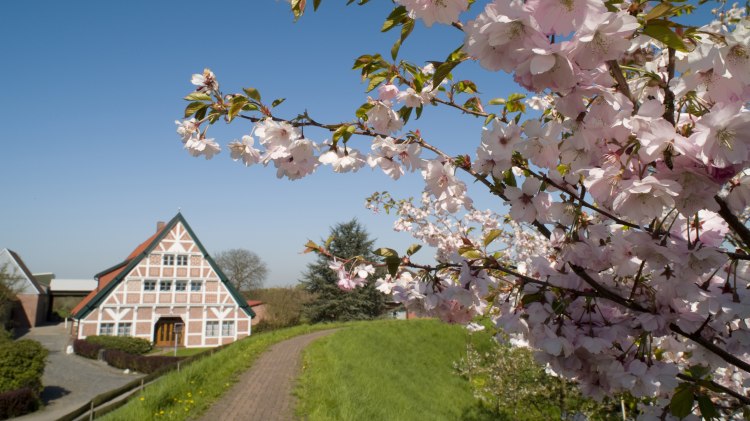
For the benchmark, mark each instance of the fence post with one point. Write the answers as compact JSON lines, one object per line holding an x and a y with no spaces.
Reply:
{"x":91,"y":411}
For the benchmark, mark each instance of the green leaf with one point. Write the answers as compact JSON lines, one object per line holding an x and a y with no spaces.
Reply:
{"x":699,"y":371}
{"x":194,"y":107}
{"x":708,"y":410}
{"x":681,"y":404}
{"x":375,"y":80}
{"x":393,"y":264}
{"x":316,"y":3}
{"x":386,"y":252}
{"x":469,"y":252}
{"x":532,"y":298}
{"x":489,"y":119}
{"x":252,"y":93}
{"x":362,"y":111}
{"x":406,"y":29}
{"x":496,"y":101}
{"x":198,"y":96}
{"x":413,"y":249}
{"x":491,"y":236}
{"x":397,"y":16}
{"x":277,"y":102}
{"x":661,"y":32}
{"x":298,"y":8}
{"x":658,"y":11}
{"x":509,"y":178}
{"x":237,"y":104}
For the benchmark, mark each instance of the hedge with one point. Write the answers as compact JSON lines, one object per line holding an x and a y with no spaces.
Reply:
{"x":22,"y":365}
{"x":15,"y":403}
{"x":127,"y":344}
{"x":86,"y":349}
{"x":139,"y":363}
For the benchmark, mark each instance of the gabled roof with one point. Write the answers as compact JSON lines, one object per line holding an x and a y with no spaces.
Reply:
{"x":20,"y":268}
{"x":111,"y":277}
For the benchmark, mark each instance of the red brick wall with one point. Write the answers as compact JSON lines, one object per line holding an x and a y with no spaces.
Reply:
{"x":30,"y":310}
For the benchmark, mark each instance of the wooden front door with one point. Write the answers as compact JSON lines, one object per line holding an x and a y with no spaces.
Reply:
{"x":165,"y":332}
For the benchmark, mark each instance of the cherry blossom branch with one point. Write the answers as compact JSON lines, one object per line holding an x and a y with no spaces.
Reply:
{"x":460,"y":107}
{"x":622,"y":83}
{"x":700,"y":340}
{"x":739,"y":228}
{"x":668,"y":94}
{"x":710,"y":384}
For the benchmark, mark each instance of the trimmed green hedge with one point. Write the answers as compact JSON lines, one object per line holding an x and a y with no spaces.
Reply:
{"x":127,"y":344}
{"x":21,"y":365}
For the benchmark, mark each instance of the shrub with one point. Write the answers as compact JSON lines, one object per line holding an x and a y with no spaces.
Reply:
{"x":139,"y":363}
{"x":119,"y":359}
{"x":22,"y":365}
{"x":86,"y":349}
{"x":127,"y":344}
{"x":15,"y":403}
{"x":151,"y":364}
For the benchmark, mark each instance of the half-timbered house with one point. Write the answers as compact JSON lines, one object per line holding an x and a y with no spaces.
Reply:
{"x":168,"y":290}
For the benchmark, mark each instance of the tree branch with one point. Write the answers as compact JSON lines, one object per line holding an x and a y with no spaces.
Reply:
{"x":737,"y":226}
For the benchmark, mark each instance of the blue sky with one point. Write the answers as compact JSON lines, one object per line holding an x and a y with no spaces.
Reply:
{"x":91,"y":160}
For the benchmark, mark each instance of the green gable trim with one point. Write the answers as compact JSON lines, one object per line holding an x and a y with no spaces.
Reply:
{"x":132,"y":263}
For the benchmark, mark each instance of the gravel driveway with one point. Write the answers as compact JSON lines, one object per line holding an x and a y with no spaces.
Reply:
{"x":69,"y":380}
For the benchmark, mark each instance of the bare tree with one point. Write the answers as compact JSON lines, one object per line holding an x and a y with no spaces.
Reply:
{"x":10,"y":285}
{"x":244,"y":268}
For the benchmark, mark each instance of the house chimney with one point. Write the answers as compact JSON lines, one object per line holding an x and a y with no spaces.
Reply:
{"x":160,"y":225}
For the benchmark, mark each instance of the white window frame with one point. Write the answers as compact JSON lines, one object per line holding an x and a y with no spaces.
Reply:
{"x":167,"y":260}
{"x":149,"y":285}
{"x":196,"y":286}
{"x":106,"y":329}
{"x":124,"y":329}
{"x":212,"y":328}
{"x":180,"y":286}
{"x":162,"y":288}
{"x":227,"y":328}
{"x":181,"y":260}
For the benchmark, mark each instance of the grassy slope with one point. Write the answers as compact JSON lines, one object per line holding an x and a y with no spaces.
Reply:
{"x":388,"y":370}
{"x":184,"y":394}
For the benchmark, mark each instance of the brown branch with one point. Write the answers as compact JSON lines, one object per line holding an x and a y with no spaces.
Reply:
{"x":713,"y":385}
{"x":464,"y":109}
{"x":668,"y":94}
{"x":737,"y":226}
{"x":622,"y":83}
{"x":700,"y":340}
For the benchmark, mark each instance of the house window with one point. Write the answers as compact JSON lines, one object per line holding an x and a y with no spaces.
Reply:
{"x":149,"y":285}
{"x":196,"y":285}
{"x":165,"y":286}
{"x":123,"y":329}
{"x":106,"y":329}
{"x":167,"y":260}
{"x":227,"y":328}
{"x":180,"y":286}
{"x":182,"y":260}
{"x":212,"y":328}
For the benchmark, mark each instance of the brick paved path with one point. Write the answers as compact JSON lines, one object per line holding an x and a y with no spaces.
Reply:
{"x":264,"y":392}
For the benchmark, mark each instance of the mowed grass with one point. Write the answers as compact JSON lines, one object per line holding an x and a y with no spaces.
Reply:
{"x":189,"y":392}
{"x":388,"y":370}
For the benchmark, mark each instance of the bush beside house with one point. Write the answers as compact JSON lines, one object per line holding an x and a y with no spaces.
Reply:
{"x":21,"y":369}
{"x":122,"y":352}
{"x":127,"y":344}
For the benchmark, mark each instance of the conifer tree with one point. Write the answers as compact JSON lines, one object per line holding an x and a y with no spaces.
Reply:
{"x":347,"y":240}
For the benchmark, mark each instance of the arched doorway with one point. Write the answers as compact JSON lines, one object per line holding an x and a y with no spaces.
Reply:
{"x":166,"y":331}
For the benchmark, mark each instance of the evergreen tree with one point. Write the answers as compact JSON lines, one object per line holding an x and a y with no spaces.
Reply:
{"x":331,"y":303}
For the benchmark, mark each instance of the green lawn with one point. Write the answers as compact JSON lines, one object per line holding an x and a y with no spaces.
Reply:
{"x":388,"y":370}
{"x":184,"y":394}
